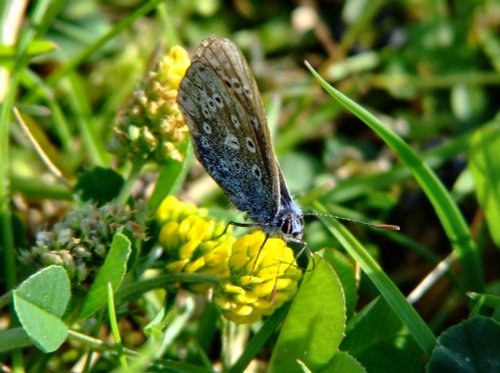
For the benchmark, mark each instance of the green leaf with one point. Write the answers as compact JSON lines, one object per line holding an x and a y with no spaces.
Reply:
{"x":447,"y":210}
{"x":471,"y":346}
{"x":11,"y":339}
{"x":35,"y":47}
{"x":468,"y":101}
{"x":260,"y":338}
{"x":100,"y":185}
{"x":345,"y":363}
{"x":402,"y":309}
{"x":315,"y":324}
{"x":40,"y":301}
{"x":344,"y":266}
{"x":113,"y":270}
{"x":484,"y":164}
{"x":376,"y":332}
{"x":170,"y":366}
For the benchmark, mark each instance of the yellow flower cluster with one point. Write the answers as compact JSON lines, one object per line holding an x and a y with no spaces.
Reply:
{"x":194,"y":244}
{"x":262,"y":278}
{"x":150,"y":126}
{"x":256,"y":279}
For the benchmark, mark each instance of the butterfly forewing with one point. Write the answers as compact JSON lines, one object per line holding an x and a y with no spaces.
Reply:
{"x":229,"y":64}
{"x":231,"y":67}
{"x":223,"y":109}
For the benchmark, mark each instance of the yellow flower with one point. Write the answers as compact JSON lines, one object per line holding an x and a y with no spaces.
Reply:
{"x":193,"y":243}
{"x":150,"y":126}
{"x":256,"y":280}
{"x":261,"y":278}
{"x":171,"y":209}
{"x":173,"y":67}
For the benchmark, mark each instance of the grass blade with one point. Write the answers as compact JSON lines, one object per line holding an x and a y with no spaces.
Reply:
{"x":450,"y":216}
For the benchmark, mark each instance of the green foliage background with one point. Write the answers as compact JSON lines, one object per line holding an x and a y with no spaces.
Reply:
{"x":420,"y":150}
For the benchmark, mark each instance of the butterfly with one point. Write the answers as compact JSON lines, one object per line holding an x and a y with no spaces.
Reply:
{"x":223,"y":109}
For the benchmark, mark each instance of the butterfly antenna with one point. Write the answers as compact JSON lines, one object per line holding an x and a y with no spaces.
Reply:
{"x":389,"y":227}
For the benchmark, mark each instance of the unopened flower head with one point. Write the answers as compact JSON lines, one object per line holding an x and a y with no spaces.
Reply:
{"x":150,"y":126}
{"x":81,"y":241}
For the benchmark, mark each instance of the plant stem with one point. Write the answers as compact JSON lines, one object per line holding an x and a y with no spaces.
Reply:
{"x":129,"y":183}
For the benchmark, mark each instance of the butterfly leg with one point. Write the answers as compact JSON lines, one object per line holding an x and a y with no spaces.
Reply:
{"x":236,"y":224}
